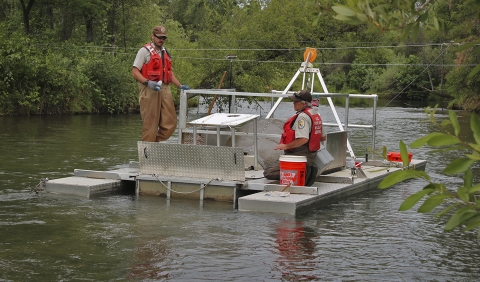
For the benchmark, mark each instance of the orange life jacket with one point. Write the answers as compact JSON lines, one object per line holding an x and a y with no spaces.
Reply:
{"x":157,"y":68}
{"x":315,"y":136}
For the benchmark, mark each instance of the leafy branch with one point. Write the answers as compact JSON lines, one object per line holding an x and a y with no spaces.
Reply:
{"x":405,"y":16}
{"x":464,"y":203}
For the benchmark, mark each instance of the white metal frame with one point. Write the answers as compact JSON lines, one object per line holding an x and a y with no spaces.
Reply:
{"x":307,"y":68}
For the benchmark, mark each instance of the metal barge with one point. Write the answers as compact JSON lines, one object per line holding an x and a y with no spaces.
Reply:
{"x":221,"y":157}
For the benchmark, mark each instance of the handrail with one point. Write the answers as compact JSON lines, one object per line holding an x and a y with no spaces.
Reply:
{"x":184,"y":94}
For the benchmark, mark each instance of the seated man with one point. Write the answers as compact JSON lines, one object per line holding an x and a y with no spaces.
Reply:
{"x":301,"y":136}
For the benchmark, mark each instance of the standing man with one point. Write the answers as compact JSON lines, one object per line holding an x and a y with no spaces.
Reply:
{"x":152,"y":69}
{"x":301,"y":136}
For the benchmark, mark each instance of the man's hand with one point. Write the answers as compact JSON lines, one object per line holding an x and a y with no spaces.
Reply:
{"x":154,"y":85}
{"x":292,"y":145}
{"x":281,"y":147}
{"x":184,"y":87}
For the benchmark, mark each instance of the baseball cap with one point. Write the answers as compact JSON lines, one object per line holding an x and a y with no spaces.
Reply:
{"x":303,"y":95}
{"x":160,"y":31}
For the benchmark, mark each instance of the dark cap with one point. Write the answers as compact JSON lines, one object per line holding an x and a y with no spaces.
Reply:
{"x":303,"y":95}
{"x":160,"y":31}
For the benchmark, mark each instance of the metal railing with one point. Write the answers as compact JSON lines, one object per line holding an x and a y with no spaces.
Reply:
{"x":342,"y":126}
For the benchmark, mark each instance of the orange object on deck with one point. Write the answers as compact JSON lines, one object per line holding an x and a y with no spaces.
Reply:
{"x":396,"y":157}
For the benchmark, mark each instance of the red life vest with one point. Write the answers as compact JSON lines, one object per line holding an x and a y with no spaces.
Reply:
{"x":157,"y":69}
{"x":315,"y":136}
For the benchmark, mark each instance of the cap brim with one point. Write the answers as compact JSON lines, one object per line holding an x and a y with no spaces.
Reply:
{"x":294,"y":98}
{"x":160,"y":34}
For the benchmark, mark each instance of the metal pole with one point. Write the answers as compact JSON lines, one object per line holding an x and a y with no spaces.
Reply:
{"x":255,"y":144}
{"x":230,"y":97}
{"x":231,"y":74}
{"x":231,"y":58}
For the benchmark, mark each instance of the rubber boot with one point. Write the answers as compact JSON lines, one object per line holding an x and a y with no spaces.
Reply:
{"x":311,"y":175}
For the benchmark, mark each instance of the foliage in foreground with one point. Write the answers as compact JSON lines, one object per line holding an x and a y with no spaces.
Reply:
{"x":462,"y":205}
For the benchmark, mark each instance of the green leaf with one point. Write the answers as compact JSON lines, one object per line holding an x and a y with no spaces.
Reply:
{"x":475,"y":156}
{"x":476,"y":147}
{"x":468,"y":178}
{"x":456,"y":219}
{"x":381,"y":8}
{"x":399,"y":176}
{"x":435,"y":23}
{"x":474,"y":188}
{"x":473,"y":72}
{"x":454,"y":120}
{"x":423,"y":17}
{"x":345,"y":19}
{"x":447,"y":209}
{"x":472,"y":224}
{"x":455,"y":147}
{"x":415,"y":31}
{"x":406,"y":32}
{"x":411,"y":200}
{"x":362,"y":17}
{"x":464,"y":47}
{"x":404,"y":153}
{"x":475,"y":126}
{"x":443,"y":140}
{"x":463,"y":194}
{"x":369,"y":12}
{"x":432,"y":202}
{"x":446,"y":122}
{"x":343,"y":11}
{"x":458,"y":166}
{"x":424,"y":140}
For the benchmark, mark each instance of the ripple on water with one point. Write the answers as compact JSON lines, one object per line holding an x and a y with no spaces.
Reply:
{"x":27,"y":222}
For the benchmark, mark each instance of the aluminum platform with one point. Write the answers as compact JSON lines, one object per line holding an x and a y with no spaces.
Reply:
{"x":326,"y":192}
{"x":86,"y":183}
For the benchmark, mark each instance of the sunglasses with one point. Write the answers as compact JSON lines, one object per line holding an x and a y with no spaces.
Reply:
{"x":161,"y":37}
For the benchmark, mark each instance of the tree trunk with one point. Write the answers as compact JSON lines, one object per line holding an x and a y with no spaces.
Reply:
{"x":26,"y":11}
{"x":88,"y":27}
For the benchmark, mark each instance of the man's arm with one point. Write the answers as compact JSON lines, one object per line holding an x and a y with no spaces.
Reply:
{"x":294,"y":144}
{"x":175,"y":80}
{"x":138,"y":75}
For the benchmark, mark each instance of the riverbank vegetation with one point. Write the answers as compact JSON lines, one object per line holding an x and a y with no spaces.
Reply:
{"x":63,"y":57}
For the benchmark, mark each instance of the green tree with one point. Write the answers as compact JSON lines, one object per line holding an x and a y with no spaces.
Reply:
{"x":451,"y":20}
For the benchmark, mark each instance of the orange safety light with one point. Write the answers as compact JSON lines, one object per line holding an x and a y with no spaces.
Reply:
{"x":312,"y":52}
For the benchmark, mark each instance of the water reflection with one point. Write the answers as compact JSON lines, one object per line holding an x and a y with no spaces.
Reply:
{"x":149,"y":259}
{"x":296,"y":247}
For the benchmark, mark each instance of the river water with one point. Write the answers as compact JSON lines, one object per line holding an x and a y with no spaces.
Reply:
{"x":121,"y":237}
